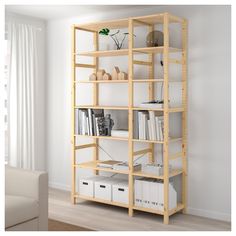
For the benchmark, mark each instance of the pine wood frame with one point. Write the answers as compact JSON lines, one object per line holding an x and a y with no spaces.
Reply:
{"x":149,"y":21}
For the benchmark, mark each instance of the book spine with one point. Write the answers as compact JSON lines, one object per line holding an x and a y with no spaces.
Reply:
{"x":96,"y":124}
{"x":157,"y":128}
{"x":153,"y":123}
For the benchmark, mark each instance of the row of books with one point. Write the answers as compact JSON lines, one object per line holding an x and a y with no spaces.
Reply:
{"x":149,"y":193}
{"x":87,"y":121}
{"x":148,"y":125}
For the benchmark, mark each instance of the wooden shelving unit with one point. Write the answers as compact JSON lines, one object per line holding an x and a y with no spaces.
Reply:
{"x":130,"y":23}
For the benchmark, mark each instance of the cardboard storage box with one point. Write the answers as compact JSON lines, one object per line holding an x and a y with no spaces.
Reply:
{"x":120,"y":192}
{"x":86,"y":185}
{"x":103,"y":188}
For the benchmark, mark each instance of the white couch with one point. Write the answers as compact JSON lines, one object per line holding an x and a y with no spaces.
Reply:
{"x":26,"y":200}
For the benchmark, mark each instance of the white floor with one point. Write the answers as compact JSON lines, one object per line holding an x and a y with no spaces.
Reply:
{"x":103,"y":217}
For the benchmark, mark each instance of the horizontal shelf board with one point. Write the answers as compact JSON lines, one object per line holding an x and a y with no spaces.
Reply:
{"x":123,"y":23}
{"x":101,"y":201}
{"x":148,"y":210}
{"x":125,"y":81}
{"x":179,"y":207}
{"x":147,"y":80}
{"x":171,"y":109}
{"x":147,"y":141}
{"x":102,"y":81}
{"x":155,"y":50}
{"x":124,"y":52}
{"x":102,"y":137}
{"x":147,"y":109}
{"x":103,"y":107}
{"x":93,"y":165}
{"x":171,"y":139}
{"x":176,"y":109}
{"x":111,"y":24}
{"x":121,"y":52}
{"x":175,"y":139}
{"x":144,"y":174}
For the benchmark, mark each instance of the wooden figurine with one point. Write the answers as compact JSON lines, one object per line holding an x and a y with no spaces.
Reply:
{"x":92,"y":77}
{"x":122,"y":76}
{"x":100,"y":74}
{"x":115,"y":73}
{"x":106,"y":76}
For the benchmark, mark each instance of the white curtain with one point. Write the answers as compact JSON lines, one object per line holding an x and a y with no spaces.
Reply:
{"x":21,"y":94}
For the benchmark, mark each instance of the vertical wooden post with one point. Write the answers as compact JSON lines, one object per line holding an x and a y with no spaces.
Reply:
{"x":131,"y":181}
{"x":151,"y":92}
{"x":166,"y":118}
{"x":184,"y":114}
{"x":95,"y":96}
{"x":73,"y":138}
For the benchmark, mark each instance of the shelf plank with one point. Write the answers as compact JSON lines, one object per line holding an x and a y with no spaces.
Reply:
{"x":102,"y":137}
{"x":123,"y":23}
{"x":148,"y":80}
{"x":171,"y":174}
{"x":147,"y":141}
{"x":158,"y":212}
{"x":102,"y":81}
{"x":111,"y":24}
{"x":124,"y":52}
{"x":171,"y":109}
{"x":103,"y":107}
{"x":179,"y":207}
{"x":93,"y":165}
{"x":147,"y":109}
{"x":121,"y":52}
{"x":176,"y":109}
{"x":155,"y":50}
{"x":101,"y":201}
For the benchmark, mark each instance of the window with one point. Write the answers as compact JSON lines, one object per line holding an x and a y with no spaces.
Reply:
{"x":6,"y":79}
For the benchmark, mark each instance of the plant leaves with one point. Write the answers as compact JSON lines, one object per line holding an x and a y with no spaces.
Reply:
{"x":104,"y":31}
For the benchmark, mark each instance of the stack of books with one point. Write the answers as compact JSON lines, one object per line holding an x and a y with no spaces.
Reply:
{"x":86,"y":121}
{"x":148,"y":125}
{"x":125,"y":166}
{"x":108,"y":164}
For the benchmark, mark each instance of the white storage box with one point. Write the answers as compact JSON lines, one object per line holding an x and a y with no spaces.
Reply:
{"x":86,"y":185}
{"x":120,"y":192}
{"x":103,"y":188}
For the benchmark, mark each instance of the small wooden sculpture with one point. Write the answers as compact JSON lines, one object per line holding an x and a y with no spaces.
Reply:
{"x":122,"y":76}
{"x":100,"y":74}
{"x":92,"y":77}
{"x":115,"y":73}
{"x":106,"y":76}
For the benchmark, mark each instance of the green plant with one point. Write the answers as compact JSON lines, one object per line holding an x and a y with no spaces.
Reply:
{"x":118,"y":43}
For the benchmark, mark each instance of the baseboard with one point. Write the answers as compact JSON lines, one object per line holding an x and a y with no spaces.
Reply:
{"x":209,"y":214}
{"x":59,"y":186}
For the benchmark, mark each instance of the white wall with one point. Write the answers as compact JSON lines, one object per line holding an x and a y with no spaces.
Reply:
{"x":209,"y":183}
{"x":40,"y":159}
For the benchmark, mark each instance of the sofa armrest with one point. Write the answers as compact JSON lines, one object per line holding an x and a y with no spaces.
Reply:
{"x":33,"y":184}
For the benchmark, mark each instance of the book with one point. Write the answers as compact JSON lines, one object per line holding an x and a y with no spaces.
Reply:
{"x":136,"y":125}
{"x":125,"y":166}
{"x":108,"y":164}
{"x":76,"y":121}
{"x":153,"y":125}
{"x":139,"y":125}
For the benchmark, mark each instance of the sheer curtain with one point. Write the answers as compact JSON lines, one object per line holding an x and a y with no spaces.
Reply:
{"x":21,"y":94}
